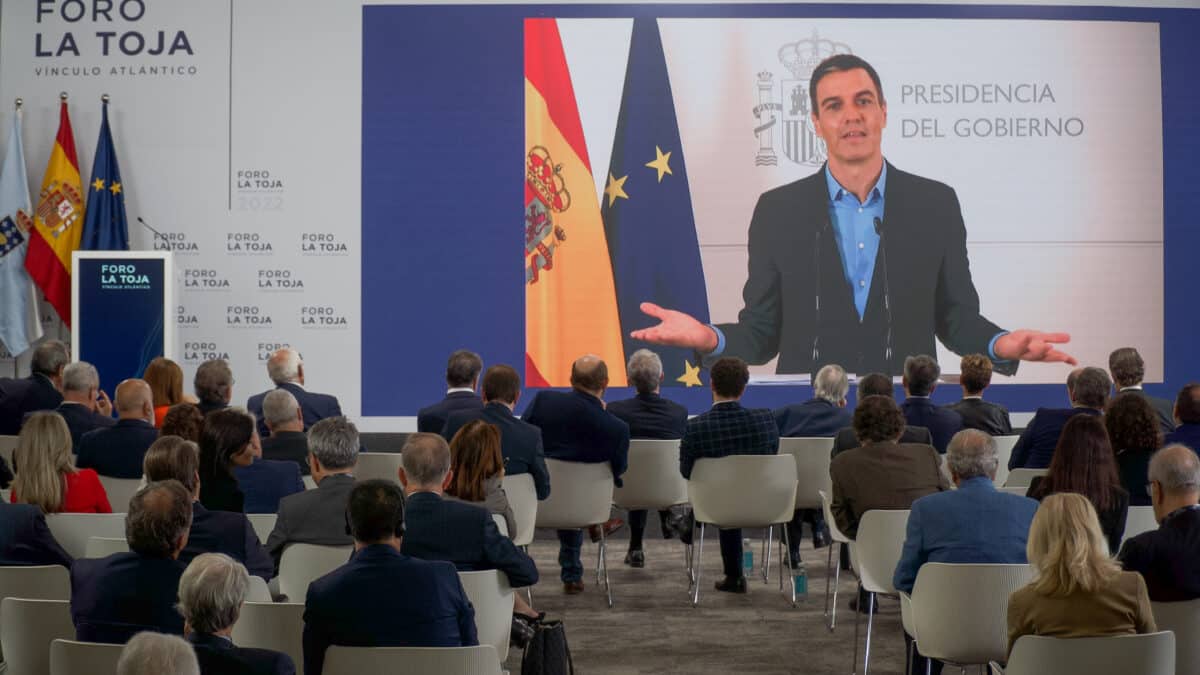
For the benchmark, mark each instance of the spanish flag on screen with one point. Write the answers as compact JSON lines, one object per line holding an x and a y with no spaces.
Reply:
{"x":58,"y":222}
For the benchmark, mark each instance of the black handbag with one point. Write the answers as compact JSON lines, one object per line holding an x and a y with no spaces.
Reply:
{"x":547,"y":653}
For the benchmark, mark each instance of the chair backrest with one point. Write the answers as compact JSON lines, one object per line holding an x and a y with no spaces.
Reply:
{"x":7,"y":445}
{"x":1140,"y":519}
{"x":960,"y":612}
{"x":501,"y":524}
{"x":277,"y":626}
{"x":1150,"y":654}
{"x":1020,"y":491}
{"x":835,"y":532}
{"x":102,"y":547}
{"x":258,"y":591}
{"x":41,"y":582}
{"x":876,"y":548}
{"x":301,"y":564}
{"x":719,"y":489}
{"x":492,"y":598}
{"x":310,"y":483}
{"x":378,"y":465}
{"x":69,"y":657}
{"x":653,"y":480}
{"x":72,"y":530}
{"x":481,"y":660}
{"x":27,"y":627}
{"x":522,"y":499}
{"x":1023,"y":477}
{"x":581,"y":495}
{"x":120,"y":491}
{"x":262,"y":523}
{"x":812,"y":468}
{"x":1004,"y":448}
{"x":1183,"y":619}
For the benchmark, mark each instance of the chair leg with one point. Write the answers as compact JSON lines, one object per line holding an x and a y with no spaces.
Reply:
{"x":604,"y":564}
{"x":766,"y":566}
{"x":785,"y":561}
{"x":837,"y":580}
{"x":870,"y":621}
{"x":857,"y":616}
{"x":828,"y":577}
{"x":699,"y":548}
{"x":908,"y":651}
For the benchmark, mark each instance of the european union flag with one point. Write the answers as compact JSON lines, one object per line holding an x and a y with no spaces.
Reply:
{"x":647,"y":207}
{"x":104,"y":225}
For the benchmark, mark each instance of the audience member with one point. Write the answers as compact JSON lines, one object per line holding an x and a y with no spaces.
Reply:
{"x":1087,"y":389}
{"x":1128,"y":369}
{"x":1166,"y":557}
{"x":212,"y":591}
{"x":226,"y":441}
{"x":462,"y":376}
{"x":877,"y":384}
{"x":84,"y":406}
{"x":921,"y":375}
{"x":172,"y":458}
{"x":26,"y":540}
{"x":114,"y":598}
{"x":1187,"y":418}
{"x":40,"y":391}
{"x":1078,"y":590}
{"x":1133,"y":430}
{"x":976,"y":413}
{"x":265,"y":482}
{"x":117,"y":451}
{"x":382,"y":597}
{"x":150,"y":653}
{"x":48,"y":478}
{"x":477,"y":471}
{"x":284,"y":420}
{"x":576,"y":428}
{"x":165,"y":378}
{"x":183,"y":420}
{"x":728,"y":429}
{"x":1084,"y":463}
{"x":214,"y":385}
{"x":286,"y":370}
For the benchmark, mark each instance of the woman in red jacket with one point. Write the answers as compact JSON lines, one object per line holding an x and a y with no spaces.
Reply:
{"x":48,"y":475}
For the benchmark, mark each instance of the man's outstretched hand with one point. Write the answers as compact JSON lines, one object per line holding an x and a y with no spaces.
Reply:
{"x":1032,"y":345}
{"x":675,"y":329}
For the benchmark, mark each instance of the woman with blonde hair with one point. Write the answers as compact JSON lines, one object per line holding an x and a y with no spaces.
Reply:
{"x":48,"y":476}
{"x":165,"y":378}
{"x":478,"y":470}
{"x":1078,"y":590}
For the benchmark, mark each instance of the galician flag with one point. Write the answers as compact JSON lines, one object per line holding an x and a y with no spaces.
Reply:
{"x":20,"y":325}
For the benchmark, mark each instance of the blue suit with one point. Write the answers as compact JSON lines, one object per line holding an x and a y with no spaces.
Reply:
{"x":219,"y":656}
{"x":315,"y":407}
{"x":817,"y":418}
{"x":228,"y":533}
{"x":117,"y":451}
{"x":382,"y":598}
{"x":1185,"y":434}
{"x":23,"y":396}
{"x":942,"y":423}
{"x":651,"y":416}
{"x":80,"y":420}
{"x":266,"y":481}
{"x":116,"y":597}
{"x":463,"y":534}
{"x":25,"y":539}
{"x":432,"y":419}
{"x":520,"y":442}
{"x":1035,"y":448}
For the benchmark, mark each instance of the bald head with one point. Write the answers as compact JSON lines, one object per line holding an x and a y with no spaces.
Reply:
{"x":590,"y":374}
{"x":135,"y":401}
{"x":1177,"y":469}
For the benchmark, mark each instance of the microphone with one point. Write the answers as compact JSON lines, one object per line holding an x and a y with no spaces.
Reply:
{"x":887,"y":294}
{"x":160,"y":234}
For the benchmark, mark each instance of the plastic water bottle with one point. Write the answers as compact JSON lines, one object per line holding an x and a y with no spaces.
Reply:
{"x":800,"y":580}
{"x":747,"y":556}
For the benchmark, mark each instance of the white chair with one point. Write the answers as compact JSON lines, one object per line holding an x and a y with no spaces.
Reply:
{"x":652,"y":480}
{"x":7,"y":445}
{"x":27,"y":627}
{"x":378,"y":465}
{"x":1004,"y":448}
{"x":68,"y":657}
{"x":102,"y":547}
{"x":1150,"y":654}
{"x":72,"y":530}
{"x":1018,"y":491}
{"x":1140,"y":519}
{"x":262,"y":523}
{"x":276,"y":626}
{"x":42,"y":582}
{"x":301,"y":564}
{"x":120,"y":491}
{"x":480,"y":660}
{"x":874,"y":554}
{"x":492,"y":598}
{"x":581,"y":496}
{"x":522,"y":499}
{"x":812,"y":468}
{"x":836,"y":539}
{"x":310,"y":483}
{"x":1023,"y":477}
{"x":959,"y":612}
{"x":258,"y":591}
{"x":1182,"y":619}
{"x":718,"y":489}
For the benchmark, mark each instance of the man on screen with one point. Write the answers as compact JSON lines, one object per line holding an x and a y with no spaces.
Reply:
{"x":833,"y":278}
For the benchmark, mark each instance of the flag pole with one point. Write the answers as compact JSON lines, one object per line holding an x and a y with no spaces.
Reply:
{"x":18,"y":103}
{"x":104,"y":98}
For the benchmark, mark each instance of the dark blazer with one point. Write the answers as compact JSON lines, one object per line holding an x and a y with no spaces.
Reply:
{"x":812,"y":419}
{"x":1166,"y":557}
{"x":80,"y":420}
{"x":25,"y":539}
{"x":1185,"y":434}
{"x":116,"y":597}
{"x":882,"y":476}
{"x":463,"y":534}
{"x":1112,"y":519}
{"x":315,"y":407}
{"x":228,"y":533}
{"x":117,"y":451}
{"x":265,"y":482}
{"x":576,"y":428}
{"x":313,"y":517}
{"x":520,"y":442}
{"x":651,"y":416}
{"x":432,"y":418}
{"x":26,"y":395}
{"x":983,"y":415}
{"x":1035,"y":448}
{"x":382,"y":598}
{"x":1162,"y":407}
{"x":1133,"y":467}
{"x":727,"y":429}
{"x":847,"y":440}
{"x":219,"y":656}
{"x":219,"y":491}
{"x":289,"y":446}
{"x":794,"y":260}
{"x":942,"y":423}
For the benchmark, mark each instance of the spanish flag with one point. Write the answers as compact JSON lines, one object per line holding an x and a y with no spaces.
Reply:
{"x":570,"y":298}
{"x":58,"y":222}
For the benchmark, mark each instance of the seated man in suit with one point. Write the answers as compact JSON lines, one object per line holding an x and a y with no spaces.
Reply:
{"x":266,"y":482}
{"x":286,"y":370}
{"x":921,"y":374}
{"x":84,"y":406}
{"x":117,"y":451}
{"x":974,"y":524}
{"x":319,"y":516}
{"x":382,"y":597}
{"x":520,"y":441}
{"x":1088,"y":390}
{"x":172,"y":458}
{"x":977,"y":413}
{"x":211,"y":593}
{"x":877,"y":384}
{"x":115,"y":597}
{"x":1128,"y":370}
{"x":462,"y":376}
{"x":728,"y":429}
{"x":25,"y":539}
{"x":40,"y":391}
{"x":1187,"y":418}
{"x":284,"y":420}
{"x":1166,"y":557}
{"x":576,"y":428}
{"x":150,"y":653}
{"x":648,"y":415}
{"x":213,"y":385}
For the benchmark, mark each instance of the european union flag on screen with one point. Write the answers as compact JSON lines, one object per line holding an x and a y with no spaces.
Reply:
{"x":647,"y":207}
{"x":104,"y":224}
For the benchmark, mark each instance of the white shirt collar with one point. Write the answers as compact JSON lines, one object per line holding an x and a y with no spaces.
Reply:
{"x":455,"y":390}
{"x":1132,"y":387}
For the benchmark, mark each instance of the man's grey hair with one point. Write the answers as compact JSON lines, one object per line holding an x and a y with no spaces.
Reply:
{"x":426,"y":459}
{"x":921,"y":373}
{"x":211,"y":592}
{"x":645,"y":371}
{"x":214,"y":379}
{"x":831,"y":384}
{"x":279,"y":407}
{"x":150,"y":653}
{"x":284,"y":366}
{"x":1176,"y":468}
{"x":463,"y":368}
{"x":80,"y":376}
{"x":334,"y":442}
{"x":1090,"y":387}
{"x":972,"y":453}
{"x":50,"y":357}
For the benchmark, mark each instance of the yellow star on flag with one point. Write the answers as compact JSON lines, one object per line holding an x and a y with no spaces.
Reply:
{"x":691,"y":375}
{"x":116,"y":188}
{"x":98,"y":184}
{"x":661,"y":162}
{"x":615,"y":189}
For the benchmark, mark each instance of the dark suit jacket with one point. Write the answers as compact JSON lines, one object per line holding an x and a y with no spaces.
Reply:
{"x":812,"y":419}
{"x":847,"y":440}
{"x":220,"y":491}
{"x":26,"y":395}
{"x":1185,"y":434}
{"x":219,"y":656}
{"x":382,"y":598}
{"x":228,"y":533}
{"x":794,"y":259}
{"x":25,"y":539}
{"x":313,"y":517}
{"x":287,"y":446}
{"x":315,"y":407}
{"x":1133,"y":467}
{"x":941,"y":422}
{"x":80,"y":420}
{"x":1162,"y":407}
{"x":116,"y":597}
{"x":265,"y":482}
{"x":882,"y":476}
{"x":520,"y":442}
{"x":432,"y":418}
{"x":651,"y":416}
{"x":117,"y":451}
{"x":983,"y":415}
{"x":1035,"y":448}
{"x":1166,"y":557}
{"x":576,"y":428}
{"x":727,"y":429}
{"x":1112,"y":519}
{"x":463,"y":534}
